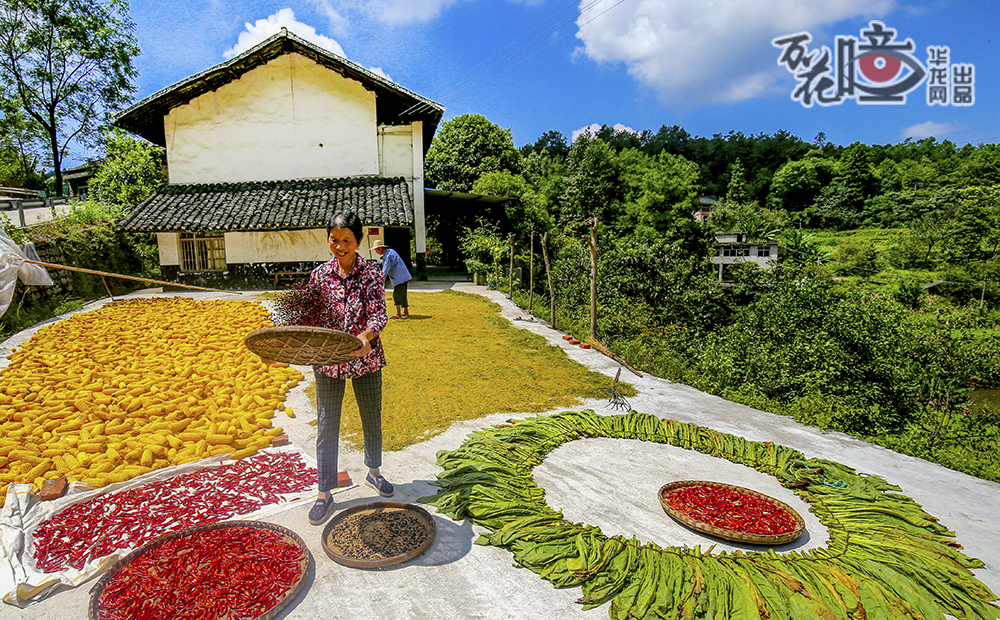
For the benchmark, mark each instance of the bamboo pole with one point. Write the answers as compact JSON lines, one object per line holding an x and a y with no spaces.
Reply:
{"x":600,"y":348}
{"x":531,"y":268}
{"x":118,"y":275}
{"x":592,"y":240}
{"x":510,"y":274}
{"x":548,"y":274}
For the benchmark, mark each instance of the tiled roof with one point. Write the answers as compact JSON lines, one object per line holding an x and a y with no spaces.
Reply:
{"x":271,"y":205}
{"x":394,"y":105}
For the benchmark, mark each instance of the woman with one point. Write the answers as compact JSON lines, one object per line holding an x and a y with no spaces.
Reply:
{"x":353,"y":301}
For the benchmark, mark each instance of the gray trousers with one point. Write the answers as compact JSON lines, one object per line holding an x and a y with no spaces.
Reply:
{"x":329,"y":402}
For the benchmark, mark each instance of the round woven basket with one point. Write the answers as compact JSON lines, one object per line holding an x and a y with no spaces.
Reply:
{"x":733,"y":535}
{"x":424,"y":517}
{"x":94,"y":611}
{"x":302,"y":345}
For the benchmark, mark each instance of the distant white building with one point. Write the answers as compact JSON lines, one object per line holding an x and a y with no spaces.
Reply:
{"x":731,"y":248}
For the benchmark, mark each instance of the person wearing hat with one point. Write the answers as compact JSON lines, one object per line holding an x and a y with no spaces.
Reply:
{"x":395,"y":269}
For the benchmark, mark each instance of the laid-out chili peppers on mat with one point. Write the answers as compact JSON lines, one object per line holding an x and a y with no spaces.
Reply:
{"x":129,"y":518}
{"x":731,"y":510}
{"x":229,"y":572}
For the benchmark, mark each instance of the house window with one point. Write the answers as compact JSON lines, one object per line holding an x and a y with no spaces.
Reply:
{"x":735,"y":250}
{"x":764,"y":251}
{"x":203,"y":252}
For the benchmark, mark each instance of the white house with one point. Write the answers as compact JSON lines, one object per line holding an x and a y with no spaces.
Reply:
{"x":263,"y":148}
{"x":731,"y":248}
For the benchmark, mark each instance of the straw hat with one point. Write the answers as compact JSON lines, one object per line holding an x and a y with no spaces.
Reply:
{"x":378,"y":244}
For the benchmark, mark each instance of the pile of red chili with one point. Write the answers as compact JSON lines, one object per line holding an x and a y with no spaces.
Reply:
{"x":731,"y":509}
{"x":232,"y":572}
{"x":130,"y":518}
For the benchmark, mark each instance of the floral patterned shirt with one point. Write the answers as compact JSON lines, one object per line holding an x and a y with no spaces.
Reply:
{"x":353,"y":304}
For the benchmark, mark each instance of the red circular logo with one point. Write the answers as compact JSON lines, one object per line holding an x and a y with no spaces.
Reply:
{"x":879,"y":68}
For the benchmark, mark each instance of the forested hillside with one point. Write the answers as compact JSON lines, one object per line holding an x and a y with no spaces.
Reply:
{"x":876,"y":319}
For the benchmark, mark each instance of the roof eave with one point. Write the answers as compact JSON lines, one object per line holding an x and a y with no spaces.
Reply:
{"x":145,"y":118}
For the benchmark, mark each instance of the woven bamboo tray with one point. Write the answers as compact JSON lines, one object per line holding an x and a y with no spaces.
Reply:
{"x":425,"y":519}
{"x":718,"y":532}
{"x":94,"y":611}
{"x":302,"y":345}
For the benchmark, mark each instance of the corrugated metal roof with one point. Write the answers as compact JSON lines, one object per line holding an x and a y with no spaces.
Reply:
{"x":271,"y":205}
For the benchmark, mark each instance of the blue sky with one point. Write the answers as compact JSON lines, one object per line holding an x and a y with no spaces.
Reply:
{"x":708,"y":66}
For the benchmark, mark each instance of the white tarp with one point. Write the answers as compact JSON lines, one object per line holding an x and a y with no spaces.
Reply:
{"x":12,"y":267}
{"x":21,"y":581}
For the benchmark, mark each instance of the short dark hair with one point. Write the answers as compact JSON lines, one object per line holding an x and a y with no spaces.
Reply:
{"x":346,"y":219}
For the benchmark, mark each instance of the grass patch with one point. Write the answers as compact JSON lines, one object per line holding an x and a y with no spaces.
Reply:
{"x":456,"y":359}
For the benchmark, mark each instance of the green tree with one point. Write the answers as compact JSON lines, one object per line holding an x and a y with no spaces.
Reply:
{"x":926,"y":234}
{"x":552,"y":141}
{"x":981,"y":167}
{"x":20,"y":139}
{"x":525,"y":213}
{"x":974,"y":226}
{"x":799,"y":339}
{"x":668,"y":196}
{"x":466,"y":148}
{"x":797,"y":183}
{"x":857,"y":175}
{"x":798,"y":248}
{"x":546,"y":173}
{"x":70,"y":65}
{"x":736,"y":190}
{"x":130,"y":171}
{"x":594,"y":184}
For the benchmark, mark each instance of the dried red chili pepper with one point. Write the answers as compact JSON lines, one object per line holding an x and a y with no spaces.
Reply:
{"x":731,"y":509}
{"x":128,"y":519}
{"x":237,"y":572}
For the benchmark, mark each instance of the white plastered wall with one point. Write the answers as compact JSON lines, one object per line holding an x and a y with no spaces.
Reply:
{"x":284,"y":246}
{"x":401,"y":154}
{"x":288,"y":119}
{"x":169,"y":246}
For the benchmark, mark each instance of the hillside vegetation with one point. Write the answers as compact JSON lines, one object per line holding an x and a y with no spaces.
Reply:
{"x":877,"y":320}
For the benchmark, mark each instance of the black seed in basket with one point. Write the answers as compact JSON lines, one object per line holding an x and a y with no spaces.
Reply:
{"x":377,"y":534}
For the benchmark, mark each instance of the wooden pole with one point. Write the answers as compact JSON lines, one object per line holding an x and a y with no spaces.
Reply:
{"x":118,"y":275}
{"x":592,"y":239}
{"x":112,"y":297}
{"x":531,"y":268}
{"x":600,"y":348}
{"x":510,"y":272}
{"x":548,"y":274}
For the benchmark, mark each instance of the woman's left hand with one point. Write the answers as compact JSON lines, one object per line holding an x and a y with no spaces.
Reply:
{"x":366,"y":346}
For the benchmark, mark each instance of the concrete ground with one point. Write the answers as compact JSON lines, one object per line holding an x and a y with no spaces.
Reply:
{"x":604,"y":482}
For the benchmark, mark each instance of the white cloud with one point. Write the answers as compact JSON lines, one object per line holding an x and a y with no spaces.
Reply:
{"x":404,"y":11}
{"x":692,"y":51}
{"x":928,"y":129}
{"x":379,"y":71}
{"x":593,"y":128}
{"x":338,"y":22}
{"x":263,"y":28}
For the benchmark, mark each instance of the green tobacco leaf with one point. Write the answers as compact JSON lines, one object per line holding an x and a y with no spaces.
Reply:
{"x":886,"y":557}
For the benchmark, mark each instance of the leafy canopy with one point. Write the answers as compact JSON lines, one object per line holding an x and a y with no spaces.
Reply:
{"x":466,"y":148}
{"x":130,"y":171}
{"x":69,"y":63}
